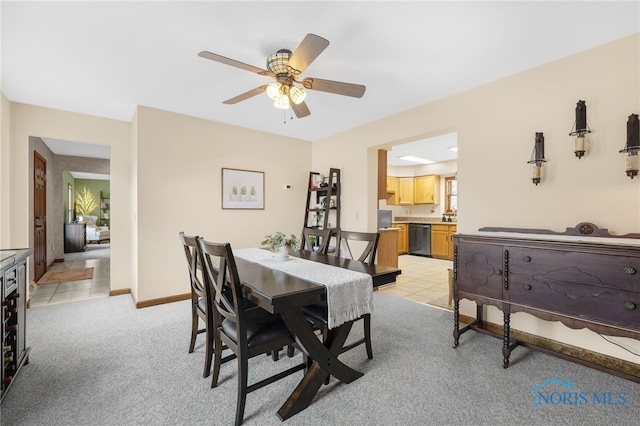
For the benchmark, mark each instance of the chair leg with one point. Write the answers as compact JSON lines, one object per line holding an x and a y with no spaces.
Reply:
{"x":275,"y":354}
{"x":217,"y":358}
{"x":210,"y":342}
{"x":367,"y":335}
{"x":243,"y":367}
{"x":194,"y":329}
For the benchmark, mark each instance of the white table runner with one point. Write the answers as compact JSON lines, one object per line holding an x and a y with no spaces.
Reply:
{"x":349,"y":293}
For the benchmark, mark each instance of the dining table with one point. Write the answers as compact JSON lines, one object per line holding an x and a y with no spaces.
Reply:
{"x":281,"y":292}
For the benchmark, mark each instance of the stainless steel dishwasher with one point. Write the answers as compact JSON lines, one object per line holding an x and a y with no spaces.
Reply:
{"x":420,"y":239}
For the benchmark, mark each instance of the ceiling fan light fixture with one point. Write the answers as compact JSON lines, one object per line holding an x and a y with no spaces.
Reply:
{"x":277,"y":63}
{"x":282,"y":103}
{"x":297,"y":94}
{"x":274,"y":91}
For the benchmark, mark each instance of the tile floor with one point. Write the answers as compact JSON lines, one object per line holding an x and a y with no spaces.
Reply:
{"x":423,"y":280}
{"x":71,"y":291}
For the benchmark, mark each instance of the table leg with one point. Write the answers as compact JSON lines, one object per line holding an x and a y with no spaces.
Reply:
{"x":325,"y":362}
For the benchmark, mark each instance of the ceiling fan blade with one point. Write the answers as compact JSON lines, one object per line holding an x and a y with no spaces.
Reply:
{"x":308,"y":50}
{"x":251,"y":93}
{"x":337,"y":87}
{"x":301,"y":110}
{"x":227,"y":61}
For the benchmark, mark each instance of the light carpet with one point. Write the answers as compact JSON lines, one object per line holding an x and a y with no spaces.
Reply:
{"x":103,"y":362}
{"x":51,"y":277}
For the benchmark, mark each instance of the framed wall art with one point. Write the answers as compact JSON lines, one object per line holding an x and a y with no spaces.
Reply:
{"x":242,"y":189}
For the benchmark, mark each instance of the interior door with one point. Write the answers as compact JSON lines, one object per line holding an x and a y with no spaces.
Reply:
{"x":39,"y":215}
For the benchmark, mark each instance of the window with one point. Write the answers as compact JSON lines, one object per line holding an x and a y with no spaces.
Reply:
{"x":451,"y":195}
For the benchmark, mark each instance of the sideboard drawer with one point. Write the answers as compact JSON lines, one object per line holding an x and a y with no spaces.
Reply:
{"x":620,"y":272}
{"x":584,"y":301}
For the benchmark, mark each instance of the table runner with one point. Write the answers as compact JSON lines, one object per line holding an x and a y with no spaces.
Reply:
{"x":349,"y":293}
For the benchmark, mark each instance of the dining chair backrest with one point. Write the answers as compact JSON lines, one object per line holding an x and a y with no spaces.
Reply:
{"x":222,"y":276}
{"x":189,"y":243}
{"x":322,"y":238}
{"x":368,"y":254}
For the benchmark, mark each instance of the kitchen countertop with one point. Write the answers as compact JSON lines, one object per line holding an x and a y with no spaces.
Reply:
{"x":409,"y":219}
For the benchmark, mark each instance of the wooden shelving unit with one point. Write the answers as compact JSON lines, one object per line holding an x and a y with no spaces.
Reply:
{"x":105,"y":202}
{"x":323,"y":201}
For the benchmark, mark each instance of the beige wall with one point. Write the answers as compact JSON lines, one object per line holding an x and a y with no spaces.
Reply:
{"x":496,"y":125}
{"x":5,"y":171}
{"x":30,"y":121}
{"x":173,"y":185}
{"x":179,"y":182}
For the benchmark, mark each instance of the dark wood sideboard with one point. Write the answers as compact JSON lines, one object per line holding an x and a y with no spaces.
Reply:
{"x":13,"y":298}
{"x":577,"y":277}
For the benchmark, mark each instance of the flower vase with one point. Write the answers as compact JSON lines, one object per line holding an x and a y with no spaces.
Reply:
{"x":281,"y":253}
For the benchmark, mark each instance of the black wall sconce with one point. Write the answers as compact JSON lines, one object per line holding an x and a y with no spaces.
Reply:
{"x":632,"y":147}
{"x":580,"y":129}
{"x":537,"y":158}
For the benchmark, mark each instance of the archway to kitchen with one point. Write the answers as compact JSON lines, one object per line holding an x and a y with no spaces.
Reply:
{"x":424,"y":224}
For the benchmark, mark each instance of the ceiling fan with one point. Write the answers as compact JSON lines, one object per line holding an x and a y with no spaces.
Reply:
{"x":285,"y":67}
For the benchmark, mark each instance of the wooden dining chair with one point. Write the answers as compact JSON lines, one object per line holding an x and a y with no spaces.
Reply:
{"x":201,"y":307}
{"x":248,"y":332}
{"x":320,"y":242}
{"x":367,"y":242}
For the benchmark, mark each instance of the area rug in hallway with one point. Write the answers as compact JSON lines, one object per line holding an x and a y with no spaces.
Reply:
{"x":67,"y":275}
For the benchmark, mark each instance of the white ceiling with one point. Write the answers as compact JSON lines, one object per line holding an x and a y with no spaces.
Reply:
{"x":104,"y":58}
{"x":436,"y":149}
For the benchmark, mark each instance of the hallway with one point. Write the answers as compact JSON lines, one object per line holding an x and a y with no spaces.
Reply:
{"x":96,"y":256}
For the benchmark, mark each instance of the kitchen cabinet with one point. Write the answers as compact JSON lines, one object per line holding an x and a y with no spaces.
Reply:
{"x":442,"y":240}
{"x":392,"y":184}
{"x":403,"y":237}
{"x":405,"y":191}
{"x":392,"y":191}
{"x":387,"y":253}
{"x":426,"y":189}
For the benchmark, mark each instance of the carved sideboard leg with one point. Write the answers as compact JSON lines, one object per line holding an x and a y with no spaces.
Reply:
{"x":456,"y":323}
{"x":506,"y":347}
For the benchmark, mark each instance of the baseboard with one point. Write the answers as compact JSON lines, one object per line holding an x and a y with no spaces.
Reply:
{"x":119,"y":292}
{"x":163,"y":300}
{"x":615,"y":366}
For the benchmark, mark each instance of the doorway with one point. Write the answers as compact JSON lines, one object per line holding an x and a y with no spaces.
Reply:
{"x":39,"y":215}
{"x":57,"y":158}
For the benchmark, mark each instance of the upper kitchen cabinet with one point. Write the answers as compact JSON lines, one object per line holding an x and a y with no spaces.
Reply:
{"x":392,"y":185}
{"x":405,"y":191}
{"x":426,"y":189}
{"x":392,"y":191}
